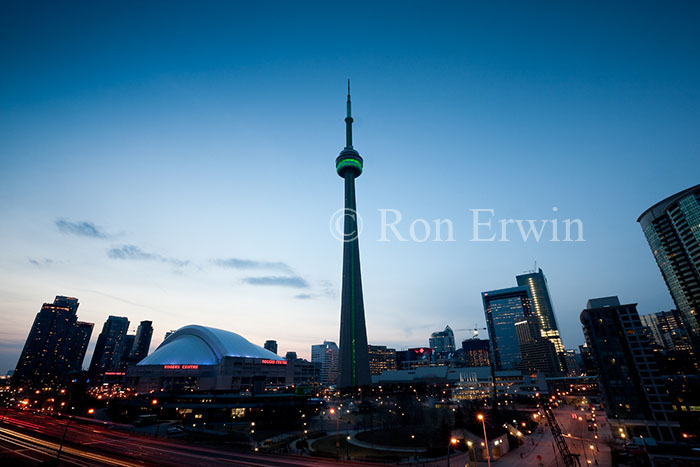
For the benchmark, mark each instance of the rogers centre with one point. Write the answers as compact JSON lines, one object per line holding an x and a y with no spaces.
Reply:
{"x":202,"y":358}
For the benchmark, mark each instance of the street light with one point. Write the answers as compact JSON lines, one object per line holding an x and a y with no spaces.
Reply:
{"x":452,"y":441}
{"x":337,"y":432}
{"x":486,"y":441}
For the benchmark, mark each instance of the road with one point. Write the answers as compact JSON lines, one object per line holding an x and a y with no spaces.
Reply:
{"x":36,"y":438}
{"x":578,"y":439}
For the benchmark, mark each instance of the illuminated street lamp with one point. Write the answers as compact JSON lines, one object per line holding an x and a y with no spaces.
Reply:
{"x":337,"y":432}
{"x":452,"y":441}
{"x":486,"y":441}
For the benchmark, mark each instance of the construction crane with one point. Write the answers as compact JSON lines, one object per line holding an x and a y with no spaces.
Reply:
{"x":474,"y":329}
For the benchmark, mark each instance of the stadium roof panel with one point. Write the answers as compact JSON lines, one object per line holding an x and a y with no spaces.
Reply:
{"x":201,"y":345}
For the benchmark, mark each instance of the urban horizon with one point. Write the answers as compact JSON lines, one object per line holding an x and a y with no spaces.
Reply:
{"x":313,"y":233}
{"x":109,"y":227}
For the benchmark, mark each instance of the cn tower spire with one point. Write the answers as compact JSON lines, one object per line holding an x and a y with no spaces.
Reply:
{"x":348,"y":122}
{"x":354,"y":357}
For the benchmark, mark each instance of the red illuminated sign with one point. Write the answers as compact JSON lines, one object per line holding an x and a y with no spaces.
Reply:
{"x":274,"y":362}
{"x":114,"y":373}
{"x":180,"y":367}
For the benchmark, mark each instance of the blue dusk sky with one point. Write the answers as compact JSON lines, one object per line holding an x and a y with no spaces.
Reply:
{"x":174,"y":161}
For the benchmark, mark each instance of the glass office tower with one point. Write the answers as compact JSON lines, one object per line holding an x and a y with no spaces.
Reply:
{"x":503,"y":309}
{"x":542,"y":307}
{"x":516,"y":340}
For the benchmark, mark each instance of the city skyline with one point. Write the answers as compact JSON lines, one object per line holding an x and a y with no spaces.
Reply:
{"x":149,"y":174}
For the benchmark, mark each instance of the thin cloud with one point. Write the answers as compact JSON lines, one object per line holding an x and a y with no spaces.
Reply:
{"x":82,"y":229}
{"x":328,"y":289}
{"x":304,"y":296}
{"x":39,"y":262}
{"x":280,"y":281}
{"x":134,"y":253}
{"x":243,"y":264}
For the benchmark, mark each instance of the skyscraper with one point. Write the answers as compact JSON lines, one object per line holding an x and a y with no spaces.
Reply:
{"x":672,"y":229}
{"x":125,"y":356}
{"x":442,"y":342}
{"x":55,"y":346}
{"x":629,"y":379}
{"x":271,"y":345}
{"x":354,"y":358}
{"x":328,"y":356}
{"x":544,"y":311}
{"x":516,"y":341}
{"x":109,"y":347}
{"x":142,"y":341}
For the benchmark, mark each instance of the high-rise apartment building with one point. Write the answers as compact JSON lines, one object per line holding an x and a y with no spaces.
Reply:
{"x":672,"y":228}
{"x":476,"y":352}
{"x":442,"y":342}
{"x":667,"y":330}
{"x":124,"y":357}
{"x":381,"y":359}
{"x":55,"y":347}
{"x":629,"y":379}
{"x":142,"y":341}
{"x":109,"y":347}
{"x":543,"y":310}
{"x":328,"y":356}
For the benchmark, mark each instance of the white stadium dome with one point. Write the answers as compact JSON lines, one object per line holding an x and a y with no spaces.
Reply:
{"x":201,"y":345}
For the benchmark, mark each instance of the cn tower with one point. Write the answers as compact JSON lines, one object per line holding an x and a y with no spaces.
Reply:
{"x":354,"y":356}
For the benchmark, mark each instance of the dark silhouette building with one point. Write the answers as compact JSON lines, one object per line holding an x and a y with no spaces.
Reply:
{"x":354,"y":357}
{"x":442,"y":342}
{"x":671,"y":228}
{"x":543,"y":310}
{"x":55,"y":347}
{"x":270,"y":345}
{"x":109,"y":348}
{"x":476,"y":352}
{"x":124,"y":358}
{"x":630,"y":382}
{"x":142,"y":341}
{"x":414,"y":358}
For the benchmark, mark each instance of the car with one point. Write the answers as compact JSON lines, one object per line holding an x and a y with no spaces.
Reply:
{"x":175,"y":430}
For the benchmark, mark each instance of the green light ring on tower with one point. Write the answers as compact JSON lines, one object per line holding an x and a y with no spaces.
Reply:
{"x":348,"y":163}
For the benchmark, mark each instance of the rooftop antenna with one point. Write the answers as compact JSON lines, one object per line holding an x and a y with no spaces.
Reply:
{"x":348,"y":122}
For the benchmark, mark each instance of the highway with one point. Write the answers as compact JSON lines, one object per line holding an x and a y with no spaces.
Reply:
{"x":36,"y":438}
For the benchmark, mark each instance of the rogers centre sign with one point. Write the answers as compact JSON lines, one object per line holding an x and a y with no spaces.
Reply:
{"x":180,"y":367}
{"x":274,"y":362}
